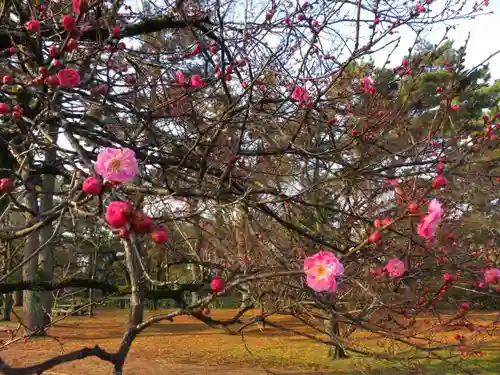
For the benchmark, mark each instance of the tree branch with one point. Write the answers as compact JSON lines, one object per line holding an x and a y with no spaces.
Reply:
{"x":146,"y":26}
{"x":96,"y":351}
{"x":175,"y":291}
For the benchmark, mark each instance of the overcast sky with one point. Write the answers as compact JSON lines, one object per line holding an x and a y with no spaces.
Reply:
{"x":484,"y":39}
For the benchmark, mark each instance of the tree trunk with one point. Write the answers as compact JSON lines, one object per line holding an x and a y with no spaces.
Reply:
{"x":92,"y":269}
{"x":335,"y":351}
{"x":18,"y":297}
{"x":91,"y":302}
{"x":7,"y":306}
{"x":136,"y":288}
{"x":245,"y":297}
{"x":195,"y":271}
{"x":32,"y":309}
{"x":46,"y":203}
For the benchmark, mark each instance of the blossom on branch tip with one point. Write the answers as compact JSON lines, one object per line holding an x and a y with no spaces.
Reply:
{"x":117,"y":164}
{"x":395,"y":268}
{"x":492,"y":276}
{"x":196,"y":81}
{"x":300,"y":94}
{"x":179,"y":77}
{"x":428,"y":225}
{"x":321,"y":271}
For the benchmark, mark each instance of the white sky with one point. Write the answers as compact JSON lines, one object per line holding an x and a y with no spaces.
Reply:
{"x":483,"y":29}
{"x":484,"y":39}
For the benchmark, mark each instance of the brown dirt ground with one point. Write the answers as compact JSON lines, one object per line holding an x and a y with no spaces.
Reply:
{"x":184,"y":347}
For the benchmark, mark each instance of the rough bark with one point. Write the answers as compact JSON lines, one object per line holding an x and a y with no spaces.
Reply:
{"x":136,"y":288}
{"x":93,"y":259}
{"x":32,"y":311}
{"x":7,"y":306}
{"x":18,"y":298}
{"x":195,"y":297}
{"x":332,"y":326}
{"x":242,"y":229}
{"x":47,"y":254}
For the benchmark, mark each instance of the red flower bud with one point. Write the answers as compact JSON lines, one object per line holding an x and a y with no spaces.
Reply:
{"x":440,"y":167}
{"x":217,"y":284}
{"x":68,"y":22}
{"x":7,"y":79}
{"x":6,"y":185}
{"x":439,"y":182}
{"x":413,"y":208}
{"x":32,"y":25}
{"x":92,"y":186}
{"x":71,"y":45}
{"x":117,"y":214}
{"x":141,"y":222}
{"x":80,"y":6}
{"x":159,"y":236}
{"x":4,"y":108}
{"x":52,"y":80}
{"x":375,"y":236}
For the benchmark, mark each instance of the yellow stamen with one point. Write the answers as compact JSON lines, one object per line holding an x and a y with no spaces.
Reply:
{"x":115,"y":165}
{"x":321,"y":271}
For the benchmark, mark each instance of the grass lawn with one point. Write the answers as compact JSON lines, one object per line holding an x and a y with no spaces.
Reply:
{"x":187,"y":347}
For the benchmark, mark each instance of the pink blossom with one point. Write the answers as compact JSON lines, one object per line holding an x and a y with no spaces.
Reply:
{"x":321,"y":270}
{"x":179,"y":77}
{"x":196,"y":81}
{"x":395,"y":267}
{"x":368,"y":85}
{"x":117,"y":164}
{"x":428,"y":225}
{"x":492,"y":275}
{"x":419,"y":8}
{"x":391,"y":181}
{"x":300,"y":94}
